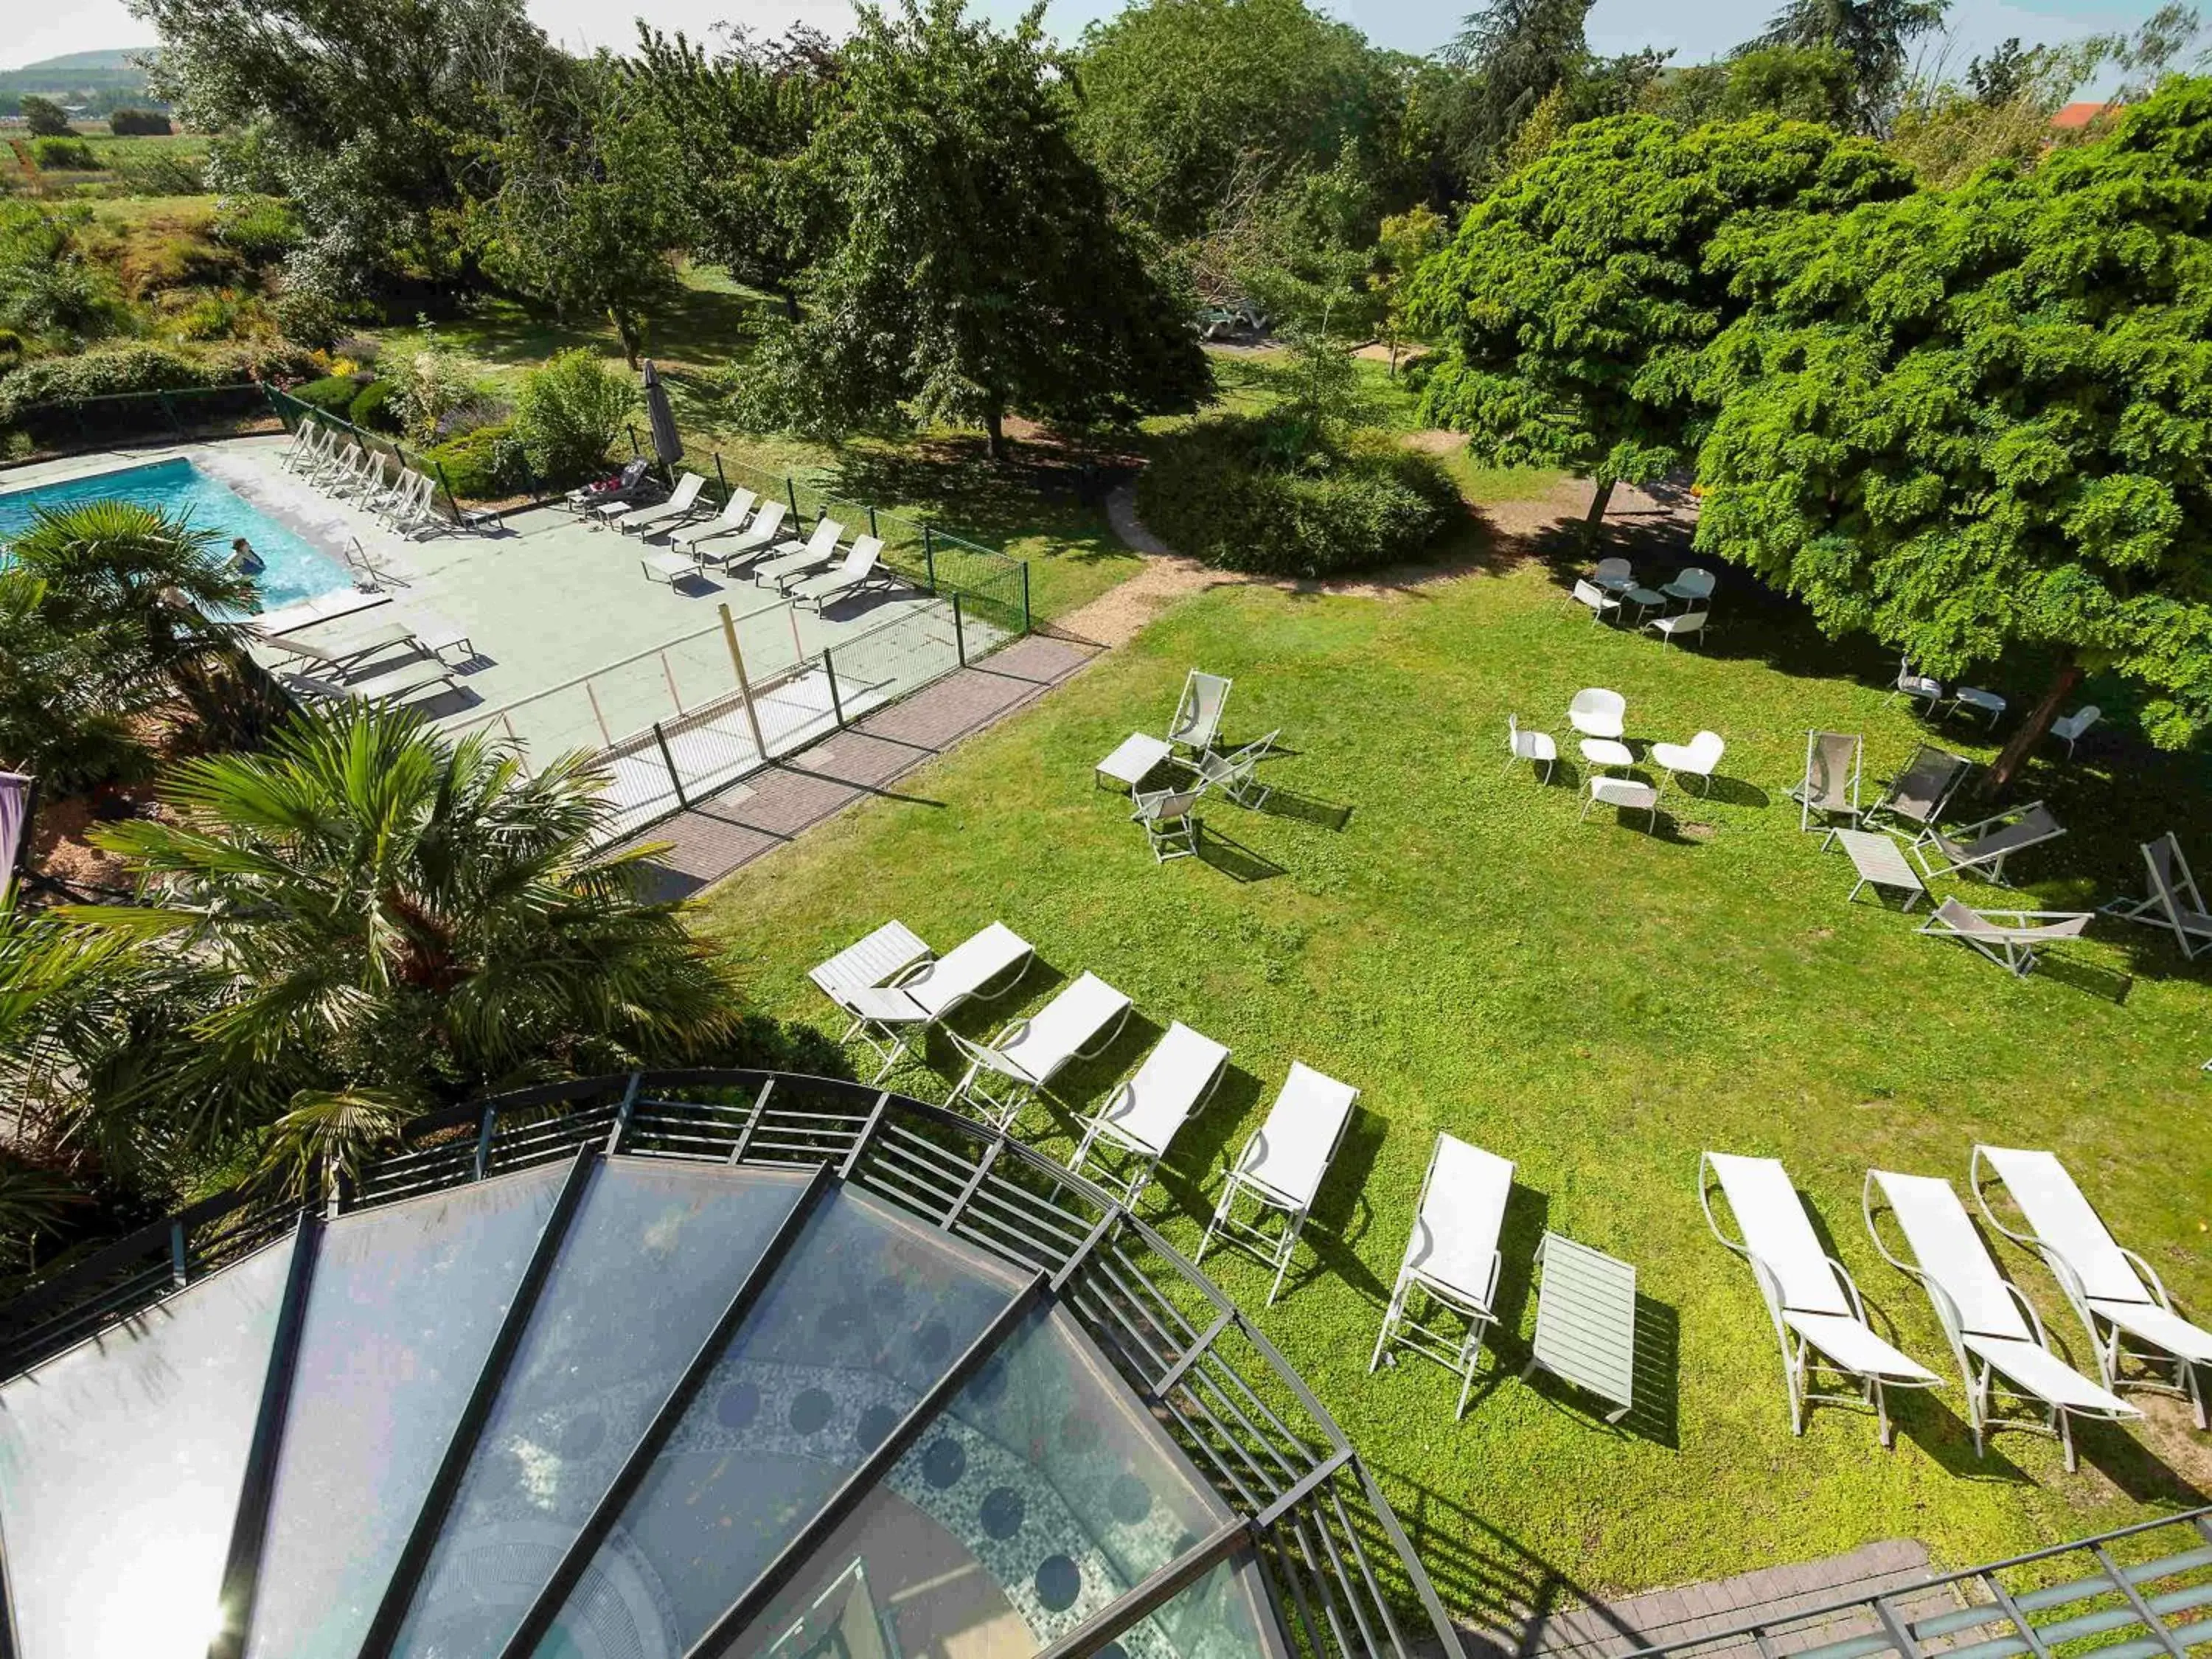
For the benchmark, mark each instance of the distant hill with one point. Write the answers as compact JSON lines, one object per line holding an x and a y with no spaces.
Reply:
{"x":99,"y":81}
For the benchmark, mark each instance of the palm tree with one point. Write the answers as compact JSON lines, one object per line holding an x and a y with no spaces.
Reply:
{"x":369,"y":919}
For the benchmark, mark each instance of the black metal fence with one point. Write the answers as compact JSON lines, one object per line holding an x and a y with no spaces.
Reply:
{"x":188,"y":413}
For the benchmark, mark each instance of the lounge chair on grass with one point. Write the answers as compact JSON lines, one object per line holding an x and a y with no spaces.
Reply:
{"x":1235,"y":774}
{"x":1924,"y":689}
{"x":1984,"y":847}
{"x":2115,"y":1292}
{"x":402,"y":684}
{"x":2173,"y":901}
{"x":1686,"y":626}
{"x":795,"y":558}
{"x":1690,"y":585}
{"x":1197,"y":720}
{"x":1141,"y":1118}
{"x":1451,"y":1260}
{"x":1080,"y":1023}
{"x":670,"y":514}
{"x":888,"y":1018}
{"x":731,"y":549}
{"x":859,"y":571}
{"x":1627,"y":794}
{"x":1694,"y":759}
{"x":1170,"y":820}
{"x":1996,"y":1337}
{"x":1601,"y":602}
{"x":1919,"y":793}
{"x":1818,"y":1318}
{"x":2007,"y":937}
{"x":1830,"y":786}
{"x":728,"y":522}
{"x":1281,"y":1168}
{"x":879,"y":959}
{"x":1615,"y":575}
{"x":1538,"y":747}
{"x":1598,"y":713}
{"x":343,"y":652}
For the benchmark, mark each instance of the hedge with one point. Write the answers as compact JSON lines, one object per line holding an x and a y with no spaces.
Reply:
{"x":484,"y":465}
{"x":1212,"y":493}
{"x":135,"y":368}
{"x":333,"y":394}
{"x":372,"y":407}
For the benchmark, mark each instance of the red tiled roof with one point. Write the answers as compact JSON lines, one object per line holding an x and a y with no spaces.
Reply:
{"x":2074,"y":116}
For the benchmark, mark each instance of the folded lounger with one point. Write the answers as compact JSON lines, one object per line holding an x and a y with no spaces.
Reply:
{"x":1818,"y":1318}
{"x":1995,"y":1336}
{"x":890,"y":1017}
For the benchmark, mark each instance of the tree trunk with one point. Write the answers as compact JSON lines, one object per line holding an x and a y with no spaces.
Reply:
{"x":2032,"y":730}
{"x":790,"y":298}
{"x":994,"y":426}
{"x":626,"y":328}
{"x":1594,"y":521}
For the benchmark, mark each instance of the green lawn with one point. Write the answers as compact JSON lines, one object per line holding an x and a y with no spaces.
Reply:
{"x":1593,"y":1002}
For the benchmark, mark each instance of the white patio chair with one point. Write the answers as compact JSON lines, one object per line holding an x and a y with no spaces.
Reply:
{"x":1819,"y":1318}
{"x":1625,"y":793}
{"x":1142,"y":1117}
{"x":1452,"y":1258}
{"x":1996,"y":1337}
{"x":1170,"y":820}
{"x":2173,"y":901}
{"x":730,"y":520}
{"x":1923,"y":688}
{"x":1617,"y":576}
{"x":1686,"y":626}
{"x":878,"y":960}
{"x":1530,"y":745}
{"x":1832,"y":763}
{"x":1197,"y":720}
{"x":731,"y":549}
{"x":1983,"y":848}
{"x":2069,"y":728}
{"x":1601,"y":602}
{"x":1235,"y":774}
{"x":892,"y":1016}
{"x":1281,"y":1168}
{"x":2115,"y":1292}
{"x":1695,"y":759}
{"x":795,"y":558}
{"x":679,"y":510}
{"x":1597,"y":712}
{"x":2007,"y":937}
{"x":1690,"y":585}
{"x":1030,"y":1053}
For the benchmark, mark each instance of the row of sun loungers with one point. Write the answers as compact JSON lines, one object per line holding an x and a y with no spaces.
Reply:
{"x":405,"y":501}
{"x":748,"y":532}
{"x":354,"y":660}
{"x":1998,"y":1340}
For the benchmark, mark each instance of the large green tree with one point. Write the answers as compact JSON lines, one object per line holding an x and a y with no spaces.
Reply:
{"x":1979,"y":423}
{"x":981,"y":271}
{"x":1575,"y":300}
{"x":1875,"y":35}
{"x":1183,"y":102}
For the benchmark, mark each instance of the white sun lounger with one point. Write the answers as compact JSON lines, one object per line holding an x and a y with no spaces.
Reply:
{"x":1994,"y":1333}
{"x":342,"y":653}
{"x":1984,"y":847}
{"x":878,"y":960}
{"x":730,"y":520}
{"x":1451,"y":1256}
{"x":1819,"y":1319}
{"x":732,"y":548}
{"x":1142,"y":1117}
{"x":1282,"y":1165}
{"x":888,"y":1016}
{"x":2008,"y":937}
{"x":2173,"y":901}
{"x":1078,"y":1024}
{"x":795,"y":558}
{"x":2115,"y":1292}
{"x":678,"y":509}
{"x":402,"y":684}
{"x":1197,"y":720}
{"x":856,"y":573}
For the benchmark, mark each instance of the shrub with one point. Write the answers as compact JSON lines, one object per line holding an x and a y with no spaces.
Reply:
{"x":485,"y":464}
{"x":45,"y":117}
{"x":308,"y":315}
{"x":12,"y":349}
{"x":106,"y":374}
{"x":333,"y":395}
{"x":1212,"y":493}
{"x":570,"y":412}
{"x":372,"y":407}
{"x":434,"y":382}
{"x":139,"y":123}
{"x":261,"y":227}
{"x":64,"y":155}
{"x":158,"y":174}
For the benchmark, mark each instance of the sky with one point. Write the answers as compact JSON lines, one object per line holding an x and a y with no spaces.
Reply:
{"x":1696,"y":29}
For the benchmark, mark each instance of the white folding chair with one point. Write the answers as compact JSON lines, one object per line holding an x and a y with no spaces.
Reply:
{"x":2115,"y":1293}
{"x":1078,"y":1024}
{"x":1530,"y":745}
{"x":1818,"y":1320}
{"x":2008,"y":937}
{"x":1996,"y":1337}
{"x":1141,"y":1118}
{"x":2173,"y":901}
{"x":987,"y":964}
{"x":1197,"y":720}
{"x":1170,"y":820}
{"x":1281,"y":1168}
{"x":1452,"y":1259}
{"x":1831,"y":787}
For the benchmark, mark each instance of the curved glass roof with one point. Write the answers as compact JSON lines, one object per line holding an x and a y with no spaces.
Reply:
{"x":588,"y":1394}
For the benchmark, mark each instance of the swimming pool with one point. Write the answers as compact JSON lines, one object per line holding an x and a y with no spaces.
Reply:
{"x":295,"y":568}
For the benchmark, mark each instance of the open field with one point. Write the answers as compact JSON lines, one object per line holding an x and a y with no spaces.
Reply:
{"x":1593,"y":1001}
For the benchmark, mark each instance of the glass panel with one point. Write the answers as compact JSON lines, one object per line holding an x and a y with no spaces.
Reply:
{"x":120,"y":1465}
{"x":404,"y":1305}
{"x":1044,"y":1493}
{"x":652,"y":1258}
{"x":868,"y":1311}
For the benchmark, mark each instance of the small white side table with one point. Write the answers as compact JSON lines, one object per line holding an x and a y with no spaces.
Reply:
{"x":1129,"y":764}
{"x":1586,"y":1321}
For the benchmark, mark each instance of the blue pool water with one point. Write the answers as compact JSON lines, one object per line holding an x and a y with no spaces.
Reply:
{"x":295,"y":568}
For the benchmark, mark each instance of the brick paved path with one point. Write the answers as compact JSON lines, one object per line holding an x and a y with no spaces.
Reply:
{"x":720,"y":834}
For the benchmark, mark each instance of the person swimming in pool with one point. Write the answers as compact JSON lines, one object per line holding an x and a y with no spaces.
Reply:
{"x":244,"y":558}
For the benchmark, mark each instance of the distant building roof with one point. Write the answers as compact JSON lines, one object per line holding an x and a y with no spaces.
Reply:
{"x":2074,"y":116}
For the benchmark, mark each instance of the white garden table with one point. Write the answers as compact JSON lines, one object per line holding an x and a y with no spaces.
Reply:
{"x":1586,"y":1321}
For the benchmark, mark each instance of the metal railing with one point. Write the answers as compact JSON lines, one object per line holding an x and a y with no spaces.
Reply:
{"x":65,"y":426}
{"x":1339,"y":1570}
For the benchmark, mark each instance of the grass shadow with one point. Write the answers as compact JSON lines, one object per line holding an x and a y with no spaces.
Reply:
{"x":1192,"y":1168}
{"x":1233,"y":859}
{"x":1734,"y":792}
{"x":1304,"y":809}
{"x":2108,"y":984}
{"x":1341,"y":1214}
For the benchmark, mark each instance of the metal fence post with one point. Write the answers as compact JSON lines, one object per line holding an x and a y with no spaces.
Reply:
{"x":669,"y":761}
{"x":169,"y":412}
{"x":745,"y":686}
{"x":791,"y":495}
{"x":959,"y":638}
{"x":836,"y":704}
{"x":720,"y":478}
{"x":872,"y":530}
{"x":447,"y":485}
{"x":1025,"y":596}
{"x":929,"y":557}
{"x":633,"y":450}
